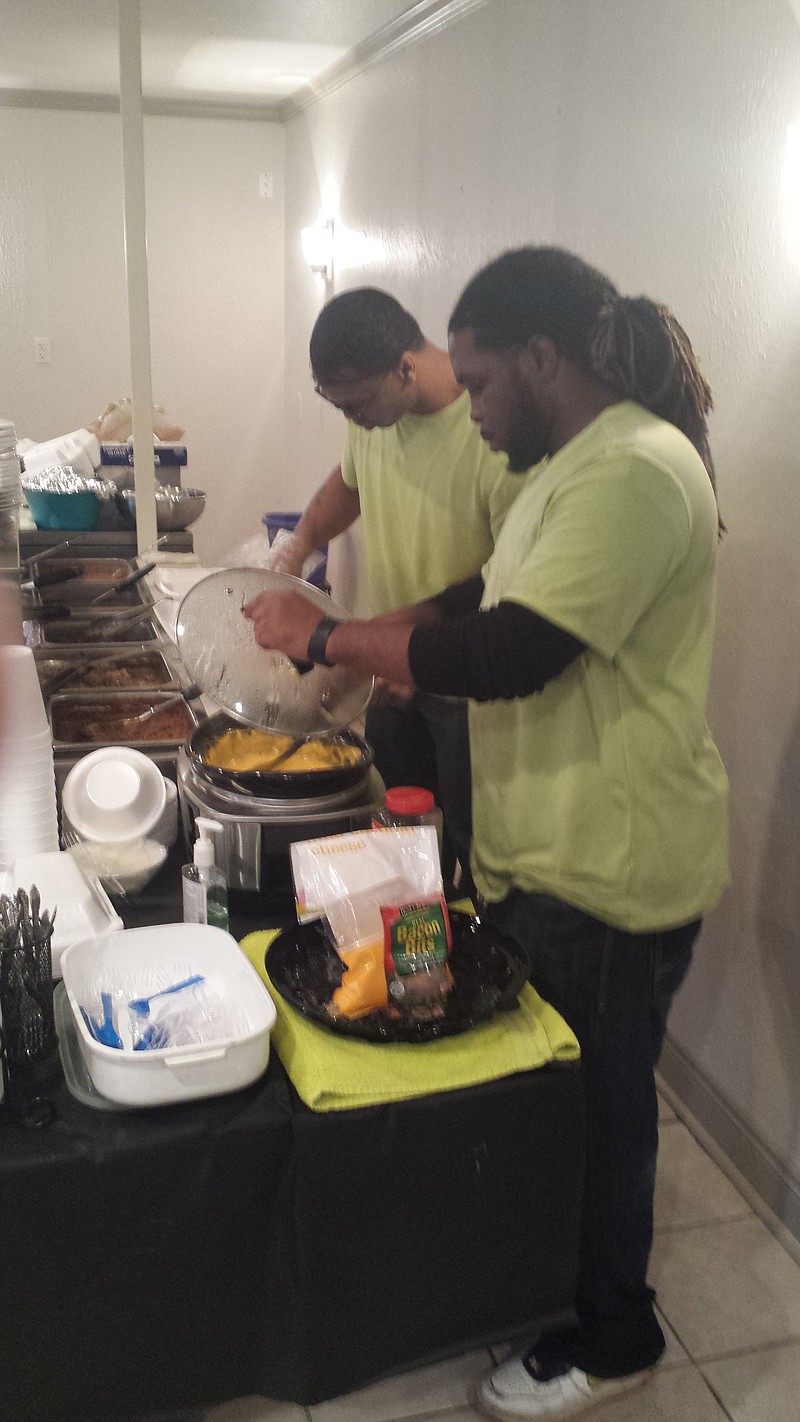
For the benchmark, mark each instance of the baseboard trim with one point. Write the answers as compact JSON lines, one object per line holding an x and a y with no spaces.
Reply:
{"x":764,"y":1181}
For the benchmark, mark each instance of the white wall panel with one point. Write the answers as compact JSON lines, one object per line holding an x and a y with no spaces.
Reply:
{"x":651,"y":139}
{"x":216,"y":276}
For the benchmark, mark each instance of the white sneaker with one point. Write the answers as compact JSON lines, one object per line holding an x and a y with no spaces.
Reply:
{"x":512,"y":1394}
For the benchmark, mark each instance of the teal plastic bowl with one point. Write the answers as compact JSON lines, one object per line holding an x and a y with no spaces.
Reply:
{"x":79,"y":510}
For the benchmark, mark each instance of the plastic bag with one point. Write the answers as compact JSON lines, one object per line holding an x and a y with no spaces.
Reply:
{"x":115,"y":425}
{"x":252,"y":553}
{"x":417,"y":944}
{"x":276,"y":557}
{"x":353,"y":879}
{"x":346,"y":874}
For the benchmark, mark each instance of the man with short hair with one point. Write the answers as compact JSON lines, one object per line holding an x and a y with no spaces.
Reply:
{"x":432,"y":499}
{"x":600,"y":825}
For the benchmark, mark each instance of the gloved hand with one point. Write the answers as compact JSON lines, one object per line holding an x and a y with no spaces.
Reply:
{"x":286,"y":554}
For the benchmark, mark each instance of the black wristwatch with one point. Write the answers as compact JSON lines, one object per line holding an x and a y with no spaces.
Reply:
{"x":318,"y":641}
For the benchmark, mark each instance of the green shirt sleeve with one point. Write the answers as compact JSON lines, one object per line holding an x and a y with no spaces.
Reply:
{"x":607,"y":547}
{"x":349,"y":473}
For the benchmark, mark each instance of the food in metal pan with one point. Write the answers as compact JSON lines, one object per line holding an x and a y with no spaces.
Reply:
{"x":108,"y":722}
{"x":247,"y":749}
{"x":131,"y":675}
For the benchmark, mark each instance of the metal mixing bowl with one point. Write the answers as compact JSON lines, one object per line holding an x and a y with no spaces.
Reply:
{"x":176,"y":508}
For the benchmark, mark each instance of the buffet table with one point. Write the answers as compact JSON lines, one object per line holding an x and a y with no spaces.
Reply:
{"x":102,"y":543}
{"x":179,"y":1257}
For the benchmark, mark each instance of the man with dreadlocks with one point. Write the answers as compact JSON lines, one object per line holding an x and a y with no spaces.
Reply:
{"x":599,"y":799}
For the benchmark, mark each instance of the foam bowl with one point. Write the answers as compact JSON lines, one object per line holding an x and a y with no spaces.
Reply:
{"x":114,"y":793}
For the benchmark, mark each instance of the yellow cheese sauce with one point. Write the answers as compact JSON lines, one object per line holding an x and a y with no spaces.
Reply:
{"x":255,"y":750}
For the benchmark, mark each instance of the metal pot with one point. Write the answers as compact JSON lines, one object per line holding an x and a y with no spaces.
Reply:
{"x":277,"y":784}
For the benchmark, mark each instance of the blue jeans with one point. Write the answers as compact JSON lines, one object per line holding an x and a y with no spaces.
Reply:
{"x":615,"y":990}
{"x":425,"y":741}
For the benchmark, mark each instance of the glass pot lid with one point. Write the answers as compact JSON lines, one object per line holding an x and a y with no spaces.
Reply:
{"x":262,"y":688}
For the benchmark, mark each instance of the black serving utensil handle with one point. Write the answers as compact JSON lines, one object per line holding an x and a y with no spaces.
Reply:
{"x":48,"y":577}
{"x":188,"y":693}
{"x":126,"y":582}
{"x":47,"y":553}
{"x":50,"y":612}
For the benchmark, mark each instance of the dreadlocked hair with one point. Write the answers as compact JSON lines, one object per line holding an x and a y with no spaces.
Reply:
{"x":631,"y":343}
{"x":640,"y":349}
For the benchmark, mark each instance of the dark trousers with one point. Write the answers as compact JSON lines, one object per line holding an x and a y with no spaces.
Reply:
{"x":615,"y":990}
{"x":425,"y":742}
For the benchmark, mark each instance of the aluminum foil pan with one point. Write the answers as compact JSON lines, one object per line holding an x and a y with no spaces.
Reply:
{"x":260,"y":688}
{"x":62,"y":479}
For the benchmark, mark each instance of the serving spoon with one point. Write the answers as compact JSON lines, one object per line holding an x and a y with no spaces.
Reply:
{"x":189,"y":694}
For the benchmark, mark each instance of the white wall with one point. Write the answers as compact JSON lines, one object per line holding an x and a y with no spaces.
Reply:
{"x":215,"y":256}
{"x":650,"y":138}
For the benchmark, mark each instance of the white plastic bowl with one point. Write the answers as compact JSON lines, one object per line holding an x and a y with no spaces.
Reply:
{"x":114,"y":793}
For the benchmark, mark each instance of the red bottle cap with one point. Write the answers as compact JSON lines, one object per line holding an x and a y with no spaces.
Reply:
{"x":409,"y":800}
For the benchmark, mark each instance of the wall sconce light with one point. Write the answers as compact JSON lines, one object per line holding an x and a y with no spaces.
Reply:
{"x":318,"y":248}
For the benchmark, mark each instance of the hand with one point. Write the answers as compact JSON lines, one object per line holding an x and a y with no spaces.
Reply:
{"x":283,"y":622}
{"x":391,"y":693}
{"x":286,"y":555}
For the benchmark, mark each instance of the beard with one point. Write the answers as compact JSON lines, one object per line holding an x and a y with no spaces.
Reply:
{"x":528,"y":435}
{"x":520,"y":461}
{"x":527,"y":445}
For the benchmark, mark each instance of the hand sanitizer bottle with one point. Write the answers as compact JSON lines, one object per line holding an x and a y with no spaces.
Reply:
{"x":205,"y":892}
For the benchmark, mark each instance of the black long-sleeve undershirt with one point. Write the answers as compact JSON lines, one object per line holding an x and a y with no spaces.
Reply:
{"x":497,"y":654}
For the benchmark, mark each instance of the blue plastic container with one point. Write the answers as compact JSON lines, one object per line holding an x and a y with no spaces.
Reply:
{"x":274,"y":522}
{"x":78,"y":510}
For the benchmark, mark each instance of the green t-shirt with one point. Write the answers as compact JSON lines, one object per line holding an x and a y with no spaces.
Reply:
{"x":433,"y":498}
{"x":606,"y":790}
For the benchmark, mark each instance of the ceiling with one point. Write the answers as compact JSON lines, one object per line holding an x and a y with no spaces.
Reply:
{"x":266,"y":53}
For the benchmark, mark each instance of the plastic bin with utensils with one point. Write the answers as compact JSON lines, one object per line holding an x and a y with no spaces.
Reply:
{"x":213,"y":1036}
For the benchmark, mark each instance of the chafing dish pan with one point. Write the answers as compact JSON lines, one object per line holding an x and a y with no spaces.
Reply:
{"x":271,"y":784}
{"x":84,"y":719}
{"x":102,"y":631}
{"x":129,"y":669}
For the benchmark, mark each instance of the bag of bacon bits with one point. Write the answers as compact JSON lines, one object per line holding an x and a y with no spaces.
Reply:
{"x":417,"y":942}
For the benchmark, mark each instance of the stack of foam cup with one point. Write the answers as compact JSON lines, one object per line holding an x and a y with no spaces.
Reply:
{"x":28,"y":810}
{"x":10,"y":489}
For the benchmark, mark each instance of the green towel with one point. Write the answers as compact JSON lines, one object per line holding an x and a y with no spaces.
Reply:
{"x":333,"y":1073}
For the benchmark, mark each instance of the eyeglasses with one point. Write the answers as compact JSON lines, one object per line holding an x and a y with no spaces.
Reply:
{"x":352,"y":409}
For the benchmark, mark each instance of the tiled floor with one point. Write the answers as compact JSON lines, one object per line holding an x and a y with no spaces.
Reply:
{"x":728,"y":1293}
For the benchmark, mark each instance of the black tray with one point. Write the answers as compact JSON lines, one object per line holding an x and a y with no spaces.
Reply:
{"x":488,"y":973}
{"x":289,"y":784}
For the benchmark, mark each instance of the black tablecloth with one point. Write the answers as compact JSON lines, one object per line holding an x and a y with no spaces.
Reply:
{"x":185,"y":1255}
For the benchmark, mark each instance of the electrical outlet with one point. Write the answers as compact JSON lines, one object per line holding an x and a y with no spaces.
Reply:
{"x":266,"y":186}
{"x":41,"y":350}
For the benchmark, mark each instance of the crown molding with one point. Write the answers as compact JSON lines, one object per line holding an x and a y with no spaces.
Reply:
{"x":109,"y":104}
{"x":419,"y":22}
